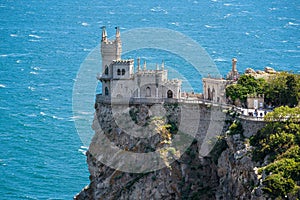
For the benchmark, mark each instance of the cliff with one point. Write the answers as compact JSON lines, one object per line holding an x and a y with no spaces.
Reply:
{"x":227,"y":172}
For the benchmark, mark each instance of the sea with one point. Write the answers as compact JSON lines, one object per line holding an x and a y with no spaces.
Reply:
{"x":43,"y":45}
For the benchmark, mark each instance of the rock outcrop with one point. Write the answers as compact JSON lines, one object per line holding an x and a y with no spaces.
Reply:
{"x":268,"y":72}
{"x":228,"y":172}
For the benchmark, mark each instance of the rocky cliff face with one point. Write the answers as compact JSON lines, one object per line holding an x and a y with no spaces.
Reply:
{"x":226,"y":173}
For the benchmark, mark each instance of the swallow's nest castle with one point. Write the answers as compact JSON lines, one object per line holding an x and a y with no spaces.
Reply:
{"x":119,"y":80}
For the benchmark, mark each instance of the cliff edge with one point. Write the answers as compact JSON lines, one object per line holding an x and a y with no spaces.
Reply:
{"x":227,"y":172}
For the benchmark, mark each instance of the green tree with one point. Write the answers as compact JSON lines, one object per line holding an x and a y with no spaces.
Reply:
{"x":236,"y":91}
{"x":275,"y":89}
{"x":292,"y":94}
{"x":249,"y":82}
{"x":245,"y":85}
{"x":283,"y":89}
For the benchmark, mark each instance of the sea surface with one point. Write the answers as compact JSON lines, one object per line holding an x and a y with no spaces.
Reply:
{"x":44,"y":43}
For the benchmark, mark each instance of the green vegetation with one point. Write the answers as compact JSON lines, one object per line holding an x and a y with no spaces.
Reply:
{"x":279,"y":141}
{"x":278,"y":186}
{"x":246,"y":84}
{"x":280,"y":89}
{"x":284,"y":113}
{"x":236,"y":128}
{"x":283,"y":89}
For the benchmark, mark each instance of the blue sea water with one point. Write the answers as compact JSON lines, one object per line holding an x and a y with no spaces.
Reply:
{"x":43,"y":43}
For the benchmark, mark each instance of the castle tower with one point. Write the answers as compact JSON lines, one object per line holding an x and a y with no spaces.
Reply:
{"x":233,"y":74}
{"x":110,"y":50}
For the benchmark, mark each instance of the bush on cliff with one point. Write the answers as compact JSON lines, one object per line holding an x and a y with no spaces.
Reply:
{"x":236,"y":128}
{"x":279,"y":141}
{"x":278,"y":186}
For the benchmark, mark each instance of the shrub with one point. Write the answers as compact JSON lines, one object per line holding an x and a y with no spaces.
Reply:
{"x":236,"y":128}
{"x":277,"y":186}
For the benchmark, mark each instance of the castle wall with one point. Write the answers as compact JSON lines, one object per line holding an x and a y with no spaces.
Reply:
{"x":214,"y":89}
{"x":251,"y":126}
{"x":123,"y":88}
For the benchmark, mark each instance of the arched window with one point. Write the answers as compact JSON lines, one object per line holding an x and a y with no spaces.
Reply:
{"x":106,"y":91}
{"x":208,"y":94}
{"x":170,"y":94}
{"x":148,"y":92}
{"x":119,"y":72}
{"x":213,"y":94}
{"x":106,"y":70}
{"x":123,"y":72}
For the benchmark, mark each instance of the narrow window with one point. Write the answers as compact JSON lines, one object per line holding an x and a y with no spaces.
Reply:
{"x":119,"y":72}
{"x":106,"y":70}
{"x":123,"y":72}
{"x":106,"y":91}
{"x":148,"y":92}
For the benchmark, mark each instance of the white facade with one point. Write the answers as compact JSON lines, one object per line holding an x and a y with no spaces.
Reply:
{"x":120,"y":81}
{"x":214,"y":89}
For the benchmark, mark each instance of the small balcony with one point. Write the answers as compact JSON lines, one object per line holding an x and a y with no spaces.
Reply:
{"x":102,"y":77}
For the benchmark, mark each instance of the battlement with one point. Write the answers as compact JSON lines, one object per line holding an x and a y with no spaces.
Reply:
{"x":176,"y":81}
{"x":151,"y":72}
{"x":109,"y":42}
{"x":128,"y":61}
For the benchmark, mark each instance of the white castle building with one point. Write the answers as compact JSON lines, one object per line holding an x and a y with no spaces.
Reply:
{"x":120,"y":81}
{"x":214,"y":88}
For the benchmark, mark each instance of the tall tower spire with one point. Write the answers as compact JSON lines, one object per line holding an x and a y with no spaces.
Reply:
{"x":139,"y":64}
{"x":110,"y":49}
{"x":117,"y":32}
{"x":234,"y":61}
{"x":104,"y":34}
{"x":118,"y":44}
{"x":162,"y":65}
{"x":233,"y":74}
